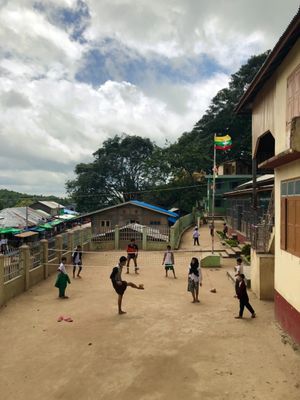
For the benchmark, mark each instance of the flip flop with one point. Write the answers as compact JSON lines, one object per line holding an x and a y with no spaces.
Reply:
{"x":68,"y":319}
{"x":60,"y":318}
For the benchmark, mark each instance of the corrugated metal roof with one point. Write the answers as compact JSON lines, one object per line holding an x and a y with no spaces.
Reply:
{"x":16,"y":217}
{"x":51,"y":204}
{"x":137,"y":203}
{"x":154,"y":208}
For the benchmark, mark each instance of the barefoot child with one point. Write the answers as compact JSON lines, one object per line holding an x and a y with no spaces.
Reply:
{"x":119,"y":285}
{"x":62,"y":279}
{"x":168,"y":261}
{"x":194,"y":279}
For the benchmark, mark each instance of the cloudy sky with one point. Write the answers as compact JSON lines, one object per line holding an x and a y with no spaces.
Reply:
{"x":76,"y":72}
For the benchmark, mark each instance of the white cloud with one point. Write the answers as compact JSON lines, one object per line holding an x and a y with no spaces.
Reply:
{"x":176,"y":28}
{"x":49,"y":122}
{"x":39,"y":46}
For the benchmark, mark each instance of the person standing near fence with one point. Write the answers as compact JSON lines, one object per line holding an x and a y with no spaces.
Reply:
{"x":62,"y":279}
{"x":119,"y":285}
{"x":132,"y":254}
{"x":196,"y":236}
{"x":77,"y":261}
{"x":169,"y":261}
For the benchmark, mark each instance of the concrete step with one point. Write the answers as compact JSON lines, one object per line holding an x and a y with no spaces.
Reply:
{"x":230,"y":252}
{"x":223,"y":254}
{"x":237,"y":250}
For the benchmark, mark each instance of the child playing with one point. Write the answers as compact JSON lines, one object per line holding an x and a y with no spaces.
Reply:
{"x":132,"y":254}
{"x":62,"y":279}
{"x":238,"y":269}
{"x":242,"y":295}
{"x":168,"y":261}
{"x":194,"y":279}
{"x":77,"y":261}
{"x":196,"y":236}
{"x":119,"y":285}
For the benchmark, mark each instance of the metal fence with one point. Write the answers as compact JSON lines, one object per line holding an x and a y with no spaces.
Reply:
{"x":35,"y":255}
{"x":106,"y":235}
{"x":65,"y":241}
{"x":158,"y":235}
{"x":51,"y":248}
{"x":260,"y":237}
{"x":13,"y":266}
{"x":76,"y":238}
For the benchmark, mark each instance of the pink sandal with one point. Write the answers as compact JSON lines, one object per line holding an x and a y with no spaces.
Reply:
{"x":59,"y":319}
{"x":68,"y":319}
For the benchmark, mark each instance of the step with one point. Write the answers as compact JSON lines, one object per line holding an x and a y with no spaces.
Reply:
{"x":223,"y":254}
{"x":237,"y":250}
{"x":230,"y":252}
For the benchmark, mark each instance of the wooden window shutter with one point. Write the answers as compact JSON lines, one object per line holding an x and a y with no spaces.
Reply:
{"x":297,"y":226}
{"x":291,"y":223}
{"x":283,"y":224}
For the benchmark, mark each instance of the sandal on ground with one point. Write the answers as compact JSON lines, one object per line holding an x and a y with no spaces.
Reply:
{"x":60,"y":318}
{"x":68,"y":319}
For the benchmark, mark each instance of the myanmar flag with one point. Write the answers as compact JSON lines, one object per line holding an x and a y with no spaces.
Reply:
{"x":223,"y":142}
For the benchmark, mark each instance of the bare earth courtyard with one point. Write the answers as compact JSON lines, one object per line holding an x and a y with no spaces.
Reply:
{"x":163,"y":348}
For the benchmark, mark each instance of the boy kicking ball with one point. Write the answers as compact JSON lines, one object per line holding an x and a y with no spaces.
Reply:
{"x":119,"y":285}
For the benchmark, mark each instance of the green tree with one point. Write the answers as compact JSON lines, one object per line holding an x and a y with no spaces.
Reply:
{"x":122,"y":167}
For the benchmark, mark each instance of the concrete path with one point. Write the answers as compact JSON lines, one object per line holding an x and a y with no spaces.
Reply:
{"x":163,"y":348}
{"x":205,"y":239}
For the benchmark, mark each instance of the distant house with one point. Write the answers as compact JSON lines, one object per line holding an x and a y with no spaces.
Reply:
{"x":131,"y":212}
{"x":230,"y":174}
{"x":50,"y":207}
{"x":273,"y":98}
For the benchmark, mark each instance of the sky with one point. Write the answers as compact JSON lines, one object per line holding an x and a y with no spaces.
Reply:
{"x":74,"y":73}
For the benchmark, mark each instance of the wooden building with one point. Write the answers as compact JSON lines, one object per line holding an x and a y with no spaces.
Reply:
{"x":274,"y":100}
{"x":131,"y":212}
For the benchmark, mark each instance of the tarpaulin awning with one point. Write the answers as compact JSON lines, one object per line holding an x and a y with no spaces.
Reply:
{"x":9,"y":230}
{"x":26,"y":234}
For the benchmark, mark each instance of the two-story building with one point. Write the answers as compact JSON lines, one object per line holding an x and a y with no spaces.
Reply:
{"x":274,"y":100}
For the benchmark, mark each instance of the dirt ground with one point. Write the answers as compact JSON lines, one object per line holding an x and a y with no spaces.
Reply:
{"x":165,"y":347}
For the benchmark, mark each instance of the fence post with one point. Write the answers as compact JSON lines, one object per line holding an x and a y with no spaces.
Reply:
{"x":25,"y":256}
{"x":117,"y":237}
{"x":44,"y":251}
{"x":144,"y":238}
{"x":81,"y":239}
{"x":58,"y":247}
{"x":1,"y":280}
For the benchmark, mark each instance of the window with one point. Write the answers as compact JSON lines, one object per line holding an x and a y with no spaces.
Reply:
{"x":290,"y":217}
{"x":105,"y":223}
{"x":154,"y":222}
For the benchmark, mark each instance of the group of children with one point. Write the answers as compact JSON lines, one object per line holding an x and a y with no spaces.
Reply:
{"x":194,"y":276}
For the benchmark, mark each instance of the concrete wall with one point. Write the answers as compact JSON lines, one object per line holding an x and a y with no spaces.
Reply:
{"x":262,"y":275}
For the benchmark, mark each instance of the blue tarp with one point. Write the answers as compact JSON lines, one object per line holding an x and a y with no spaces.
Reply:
{"x":155,"y":208}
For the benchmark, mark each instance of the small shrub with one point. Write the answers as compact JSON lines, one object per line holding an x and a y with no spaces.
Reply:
{"x":246,"y":250}
{"x":221,"y":234}
{"x":232,"y":242}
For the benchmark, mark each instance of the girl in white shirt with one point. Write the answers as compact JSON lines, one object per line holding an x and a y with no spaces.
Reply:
{"x":194,"y":279}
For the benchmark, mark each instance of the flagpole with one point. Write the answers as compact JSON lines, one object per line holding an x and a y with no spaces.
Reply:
{"x":213,"y":202}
